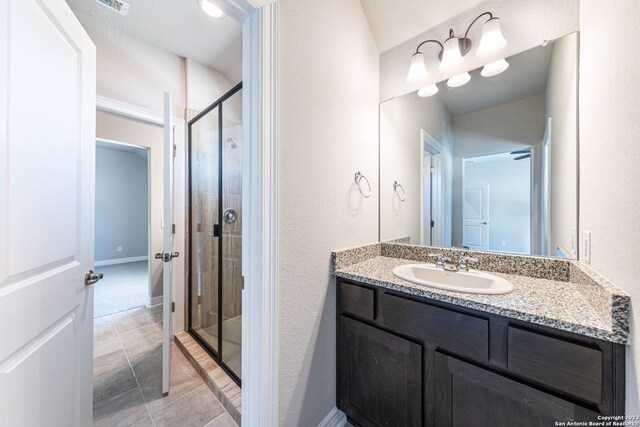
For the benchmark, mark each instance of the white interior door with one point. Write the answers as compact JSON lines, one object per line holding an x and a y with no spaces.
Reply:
{"x":475,"y":227}
{"x":47,"y":164}
{"x":167,"y":244}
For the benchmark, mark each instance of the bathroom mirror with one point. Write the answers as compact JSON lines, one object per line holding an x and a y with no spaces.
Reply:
{"x":490,"y":165}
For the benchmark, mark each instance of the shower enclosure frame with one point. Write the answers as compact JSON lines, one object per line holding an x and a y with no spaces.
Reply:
{"x":215,"y":354}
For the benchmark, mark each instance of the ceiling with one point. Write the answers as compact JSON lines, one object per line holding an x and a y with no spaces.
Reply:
{"x":393,"y":22}
{"x":526,"y":76}
{"x":177,"y":26}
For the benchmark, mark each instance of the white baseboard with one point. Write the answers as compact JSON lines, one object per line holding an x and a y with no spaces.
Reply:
{"x":154,"y":301}
{"x":335,"y":418}
{"x":120,"y":260}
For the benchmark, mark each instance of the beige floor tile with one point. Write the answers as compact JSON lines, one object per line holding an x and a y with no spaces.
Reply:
{"x":196,"y":409}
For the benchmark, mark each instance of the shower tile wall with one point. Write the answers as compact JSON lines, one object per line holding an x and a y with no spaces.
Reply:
{"x":232,"y":233}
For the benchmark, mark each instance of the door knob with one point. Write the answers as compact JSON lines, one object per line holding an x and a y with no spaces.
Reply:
{"x":167,"y":256}
{"x":90,"y":278}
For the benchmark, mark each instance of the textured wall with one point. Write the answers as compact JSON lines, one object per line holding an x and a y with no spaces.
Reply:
{"x":524,"y":23}
{"x":610,"y":155}
{"x":121,"y":204}
{"x":328,"y":130}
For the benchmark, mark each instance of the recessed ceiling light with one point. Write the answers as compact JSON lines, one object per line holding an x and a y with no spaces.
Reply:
{"x":210,"y":9}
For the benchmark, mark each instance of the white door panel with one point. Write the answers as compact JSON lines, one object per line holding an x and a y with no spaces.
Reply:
{"x":47,"y":165}
{"x":475,"y":231}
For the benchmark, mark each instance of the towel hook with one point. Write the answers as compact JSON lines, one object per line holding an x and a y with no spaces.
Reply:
{"x":402,"y":197}
{"x":358,"y":178}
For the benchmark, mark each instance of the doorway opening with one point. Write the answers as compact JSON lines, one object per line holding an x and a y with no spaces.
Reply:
{"x":433,"y":192}
{"x":497,"y":202}
{"x":122,"y":227}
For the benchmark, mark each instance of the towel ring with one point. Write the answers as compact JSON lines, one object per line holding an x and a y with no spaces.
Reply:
{"x":358,"y":178}
{"x":402,"y":197}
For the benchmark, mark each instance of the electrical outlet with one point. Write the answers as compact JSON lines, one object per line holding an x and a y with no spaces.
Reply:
{"x":119,"y":248}
{"x":586,"y":250}
{"x":503,"y":243}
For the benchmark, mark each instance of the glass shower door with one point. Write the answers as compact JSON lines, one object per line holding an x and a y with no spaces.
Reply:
{"x":204,"y":156}
{"x":232,"y":232}
{"x":215,"y":239}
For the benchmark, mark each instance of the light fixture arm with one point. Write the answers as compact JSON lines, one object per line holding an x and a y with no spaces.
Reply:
{"x":466,"y":33}
{"x":428,"y":41}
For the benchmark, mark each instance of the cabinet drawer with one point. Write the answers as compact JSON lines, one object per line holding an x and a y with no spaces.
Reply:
{"x":457,"y":332}
{"x":357,"y":300}
{"x":563,"y":365}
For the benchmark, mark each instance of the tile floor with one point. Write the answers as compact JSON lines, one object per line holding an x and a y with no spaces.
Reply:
{"x":123,"y":287}
{"x":127,"y":377}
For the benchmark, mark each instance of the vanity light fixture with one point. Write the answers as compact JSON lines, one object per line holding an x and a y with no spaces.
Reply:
{"x":454,"y":49}
{"x":459,"y":80}
{"x":210,"y":9}
{"x":494,"y":68}
{"x":428,"y":91}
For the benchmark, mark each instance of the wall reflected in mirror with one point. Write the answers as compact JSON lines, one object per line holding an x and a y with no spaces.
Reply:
{"x":491,"y":165}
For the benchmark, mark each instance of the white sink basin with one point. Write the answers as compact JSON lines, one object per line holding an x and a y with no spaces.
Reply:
{"x":470,"y":282}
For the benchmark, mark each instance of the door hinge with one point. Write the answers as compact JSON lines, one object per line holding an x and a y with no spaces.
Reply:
{"x":175,"y":150}
{"x":173,"y":307}
{"x":433,"y":223}
{"x":433,"y":170}
{"x":173,"y":229}
{"x":216,"y":230}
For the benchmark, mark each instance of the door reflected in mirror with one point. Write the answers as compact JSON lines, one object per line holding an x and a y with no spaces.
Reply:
{"x":491,"y":165}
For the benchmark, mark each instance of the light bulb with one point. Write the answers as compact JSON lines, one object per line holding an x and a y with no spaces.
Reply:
{"x":492,"y":40}
{"x":459,"y":80}
{"x":428,"y":91}
{"x":417,"y":71}
{"x":211,"y":9}
{"x":494,"y":68}
{"x":451,"y":56}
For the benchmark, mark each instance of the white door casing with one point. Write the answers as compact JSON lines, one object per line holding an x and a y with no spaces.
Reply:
{"x":167,"y":244}
{"x":47,"y":182}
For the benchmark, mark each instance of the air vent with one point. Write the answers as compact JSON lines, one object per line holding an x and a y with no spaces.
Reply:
{"x":122,"y":7}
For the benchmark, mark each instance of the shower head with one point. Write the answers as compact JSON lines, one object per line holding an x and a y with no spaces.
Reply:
{"x":231,"y":142}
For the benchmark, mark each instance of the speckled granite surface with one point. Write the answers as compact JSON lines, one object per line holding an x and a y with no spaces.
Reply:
{"x":532,"y":266}
{"x":570,"y":298}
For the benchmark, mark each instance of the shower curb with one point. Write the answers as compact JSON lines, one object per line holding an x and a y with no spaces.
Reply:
{"x":220,"y":383}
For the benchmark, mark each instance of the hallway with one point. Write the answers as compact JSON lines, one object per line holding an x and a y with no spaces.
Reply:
{"x":127,"y":377}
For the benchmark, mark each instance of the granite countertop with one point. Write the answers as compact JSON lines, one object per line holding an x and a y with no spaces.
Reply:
{"x":587,"y":309}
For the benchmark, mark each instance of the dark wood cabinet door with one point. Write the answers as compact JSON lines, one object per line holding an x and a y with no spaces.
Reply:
{"x":380,"y":376}
{"x":468,"y":395}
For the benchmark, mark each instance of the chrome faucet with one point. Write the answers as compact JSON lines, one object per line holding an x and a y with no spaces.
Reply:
{"x":445,"y":262}
{"x":463,"y":262}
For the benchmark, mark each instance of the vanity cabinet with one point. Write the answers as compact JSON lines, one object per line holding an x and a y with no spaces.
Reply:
{"x":410,"y":361}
